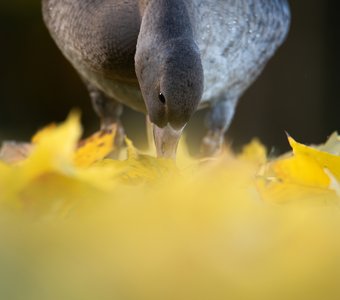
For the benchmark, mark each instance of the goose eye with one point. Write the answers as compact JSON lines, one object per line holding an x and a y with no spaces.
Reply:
{"x":161,"y":98}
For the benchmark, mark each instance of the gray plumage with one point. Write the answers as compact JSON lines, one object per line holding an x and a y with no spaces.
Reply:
{"x":198,"y":53}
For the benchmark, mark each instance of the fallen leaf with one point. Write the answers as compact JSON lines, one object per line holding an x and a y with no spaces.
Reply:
{"x":14,"y":152}
{"x":95,"y":148}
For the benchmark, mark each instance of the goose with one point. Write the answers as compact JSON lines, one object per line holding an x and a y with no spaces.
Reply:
{"x":168,"y":58}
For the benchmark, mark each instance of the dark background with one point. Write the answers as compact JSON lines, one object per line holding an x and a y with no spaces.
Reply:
{"x":297,"y":92}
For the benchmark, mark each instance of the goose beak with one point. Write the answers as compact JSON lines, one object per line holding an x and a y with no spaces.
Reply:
{"x":166,"y":140}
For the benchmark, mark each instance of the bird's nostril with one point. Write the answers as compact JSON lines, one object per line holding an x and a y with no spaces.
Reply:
{"x":161,"y":98}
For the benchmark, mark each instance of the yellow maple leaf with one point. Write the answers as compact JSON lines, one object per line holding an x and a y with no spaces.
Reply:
{"x":144,"y":168}
{"x":305,"y":174}
{"x":52,"y":170}
{"x":325,"y":160}
{"x":55,"y":151}
{"x":144,"y":228}
{"x":95,"y":148}
{"x":43,"y":132}
{"x":254,"y":152}
{"x":301,"y":169}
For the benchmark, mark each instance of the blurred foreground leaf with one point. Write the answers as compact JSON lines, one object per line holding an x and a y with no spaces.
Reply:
{"x":76,"y":224}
